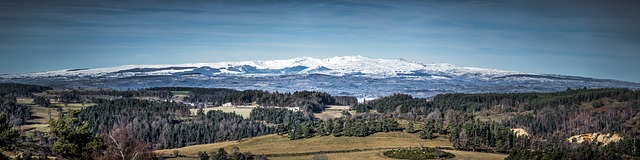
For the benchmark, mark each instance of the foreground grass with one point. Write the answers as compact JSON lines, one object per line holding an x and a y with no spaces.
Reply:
{"x":370,"y":155}
{"x":271,"y":144}
{"x":276,"y":144}
{"x":460,"y":155}
{"x":377,"y":155}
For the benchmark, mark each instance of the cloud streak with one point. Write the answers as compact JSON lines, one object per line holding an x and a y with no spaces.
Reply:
{"x":424,"y":31}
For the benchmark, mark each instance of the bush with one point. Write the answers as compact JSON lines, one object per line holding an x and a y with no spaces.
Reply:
{"x":43,"y":102}
{"x":176,"y":153}
{"x":203,"y":155}
{"x":417,"y":153}
{"x":597,"y":104}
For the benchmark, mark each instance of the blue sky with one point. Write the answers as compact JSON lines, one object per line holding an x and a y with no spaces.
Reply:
{"x":586,"y":38}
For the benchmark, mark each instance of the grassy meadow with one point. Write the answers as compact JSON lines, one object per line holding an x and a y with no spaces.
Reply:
{"x":40,"y":116}
{"x":244,"y":111}
{"x":277,"y":144}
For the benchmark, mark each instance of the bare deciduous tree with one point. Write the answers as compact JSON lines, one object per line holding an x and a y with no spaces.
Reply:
{"x":121,"y":145}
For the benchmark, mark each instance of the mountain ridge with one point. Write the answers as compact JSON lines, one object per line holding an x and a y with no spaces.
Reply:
{"x":357,"y":76}
{"x":301,"y":65}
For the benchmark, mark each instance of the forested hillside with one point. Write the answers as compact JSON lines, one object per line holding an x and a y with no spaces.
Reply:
{"x":297,"y":125}
{"x":15,"y":89}
{"x":168,"y":125}
{"x":549,"y":118}
{"x":473,"y":122}
{"x":17,"y":114}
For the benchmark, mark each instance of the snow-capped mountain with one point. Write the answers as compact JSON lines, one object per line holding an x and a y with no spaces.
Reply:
{"x":350,"y":75}
{"x":336,"y":66}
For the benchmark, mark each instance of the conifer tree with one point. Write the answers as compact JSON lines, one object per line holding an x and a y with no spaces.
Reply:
{"x":8,"y":135}
{"x":74,"y":140}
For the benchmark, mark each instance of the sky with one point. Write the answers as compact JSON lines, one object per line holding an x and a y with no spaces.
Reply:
{"x":591,"y":38}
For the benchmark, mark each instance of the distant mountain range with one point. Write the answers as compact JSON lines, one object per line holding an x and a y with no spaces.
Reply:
{"x":350,"y":75}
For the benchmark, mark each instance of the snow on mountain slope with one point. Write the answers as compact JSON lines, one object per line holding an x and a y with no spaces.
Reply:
{"x":337,"y":66}
{"x":357,"y":76}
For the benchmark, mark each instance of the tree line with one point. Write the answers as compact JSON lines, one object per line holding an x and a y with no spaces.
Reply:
{"x":79,"y":96}
{"x":167,"y":125}
{"x":306,"y":100}
{"x":21,"y":90}
{"x":298,"y":125}
{"x":486,"y":136}
{"x":529,"y":101}
{"x":17,"y":114}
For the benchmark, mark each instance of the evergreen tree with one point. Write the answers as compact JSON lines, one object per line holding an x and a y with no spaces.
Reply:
{"x":220,"y":155}
{"x":74,"y":140}
{"x":200,"y":113}
{"x":337,"y":128}
{"x":295,"y":133}
{"x":410,"y":128}
{"x":426,"y":134}
{"x":306,"y":130}
{"x":8,"y":135}
{"x":203,"y":155}
{"x":281,"y":129}
{"x":41,"y":101}
{"x":327,"y":128}
{"x":16,"y":114}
